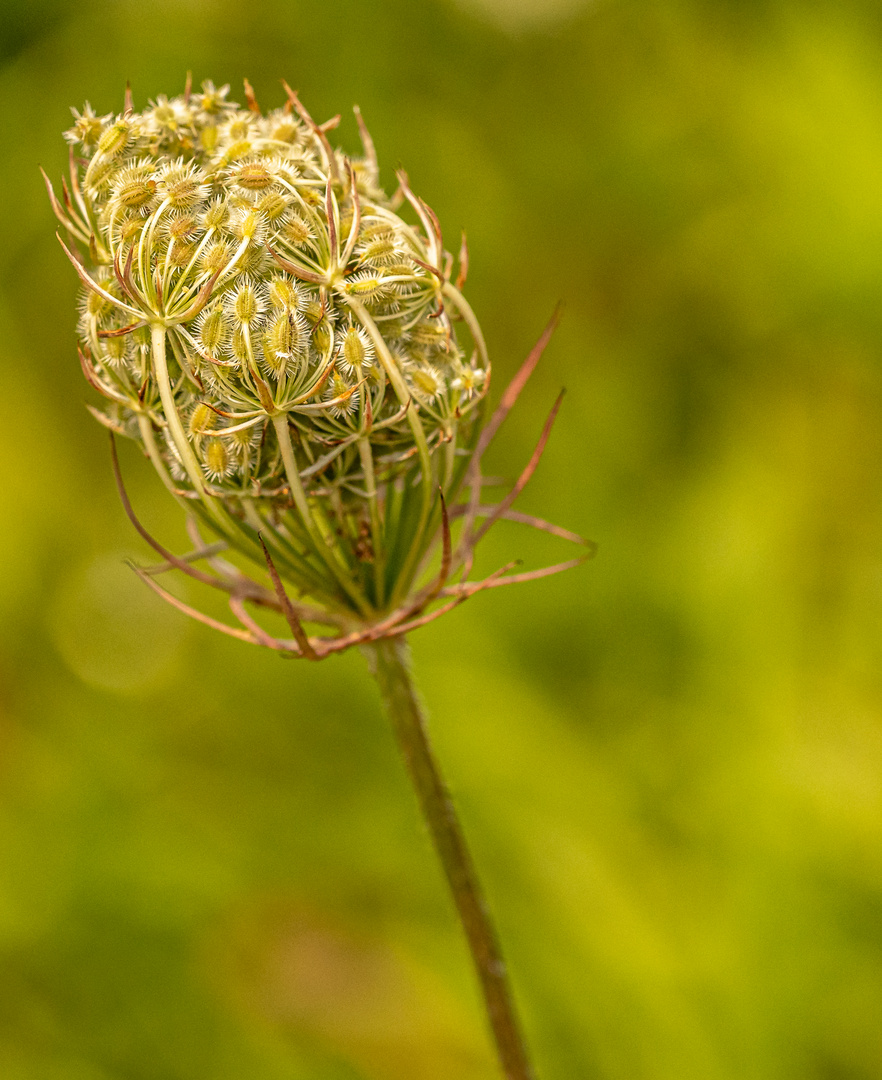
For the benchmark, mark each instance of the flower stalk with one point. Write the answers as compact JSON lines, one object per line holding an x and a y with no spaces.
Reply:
{"x":390,"y":665}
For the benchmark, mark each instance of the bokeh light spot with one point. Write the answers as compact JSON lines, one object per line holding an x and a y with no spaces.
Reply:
{"x":112,"y":632}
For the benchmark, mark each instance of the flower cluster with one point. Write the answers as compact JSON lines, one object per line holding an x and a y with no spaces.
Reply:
{"x":283,"y":342}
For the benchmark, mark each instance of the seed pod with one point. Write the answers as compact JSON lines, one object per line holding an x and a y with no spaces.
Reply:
{"x":289,"y":333}
{"x":430,"y":334}
{"x":253,"y":176}
{"x":201,"y":419}
{"x":181,"y":184}
{"x":285,"y":293}
{"x":135,"y":193}
{"x":380,"y":251}
{"x":212,"y":329}
{"x":215,"y":215}
{"x":217,"y":459}
{"x":356,"y":351}
{"x":321,"y":335}
{"x":425,"y":381}
{"x":116,"y":138}
{"x":116,"y":351}
{"x":208,"y":137}
{"x":87,"y":128}
{"x":236,"y":151}
{"x":296,"y":231}
{"x":215,"y":257}
{"x":245,"y":304}
{"x":241,"y":445}
{"x":274,"y":206}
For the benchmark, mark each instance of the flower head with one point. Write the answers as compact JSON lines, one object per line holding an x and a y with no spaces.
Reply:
{"x":287,"y":344}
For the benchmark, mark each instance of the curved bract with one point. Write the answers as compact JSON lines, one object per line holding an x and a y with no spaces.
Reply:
{"x":287,"y":344}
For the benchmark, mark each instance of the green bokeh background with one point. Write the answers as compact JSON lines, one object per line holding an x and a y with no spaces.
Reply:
{"x":669,"y":761}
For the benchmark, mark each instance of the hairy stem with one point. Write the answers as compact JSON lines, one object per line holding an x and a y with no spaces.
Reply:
{"x":389,"y":661}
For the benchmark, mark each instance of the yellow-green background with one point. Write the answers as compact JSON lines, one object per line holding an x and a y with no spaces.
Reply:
{"x":669,"y":761}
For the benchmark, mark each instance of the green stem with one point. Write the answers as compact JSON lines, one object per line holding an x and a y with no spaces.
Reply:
{"x":370,"y":483}
{"x":169,"y":405}
{"x":292,"y":472}
{"x":462,"y":305}
{"x":399,"y":385}
{"x":389,"y":661}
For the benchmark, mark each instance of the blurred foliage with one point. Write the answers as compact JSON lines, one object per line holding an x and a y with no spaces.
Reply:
{"x":669,"y":761}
